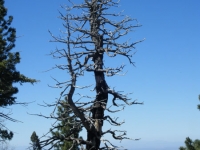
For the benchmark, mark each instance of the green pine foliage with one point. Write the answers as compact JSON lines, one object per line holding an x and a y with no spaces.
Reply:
{"x":64,"y":128}
{"x":8,"y":73}
{"x":35,"y":141}
{"x":191,"y":145}
{"x":182,"y":148}
{"x":5,"y":135}
{"x":8,"y":60}
{"x":197,"y":144}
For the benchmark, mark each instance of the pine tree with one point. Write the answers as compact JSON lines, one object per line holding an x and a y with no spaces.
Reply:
{"x":35,"y":141}
{"x":191,"y":145}
{"x":5,"y":135}
{"x":8,"y":73}
{"x":197,"y":144}
{"x":65,"y":127}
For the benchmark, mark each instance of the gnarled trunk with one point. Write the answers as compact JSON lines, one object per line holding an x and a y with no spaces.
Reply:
{"x":101,"y":85}
{"x":99,"y":105}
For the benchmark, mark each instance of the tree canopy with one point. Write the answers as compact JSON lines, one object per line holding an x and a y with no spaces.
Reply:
{"x":191,"y":145}
{"x":35,"y":141}
{"x":8,"y":72}
{"x":64,"y":128}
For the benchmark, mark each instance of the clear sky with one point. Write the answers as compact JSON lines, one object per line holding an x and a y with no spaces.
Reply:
{"x":166,"y":77}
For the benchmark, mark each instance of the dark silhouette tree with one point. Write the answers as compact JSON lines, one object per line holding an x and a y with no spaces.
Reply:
{"x":191,"y":145}
{"x":91,"y":33}
{"x":5,"y":135}
{"x":8,"y":73}
{"x":35,"y":141}
{"x":182,"y":148}
{"x":197,"y":144}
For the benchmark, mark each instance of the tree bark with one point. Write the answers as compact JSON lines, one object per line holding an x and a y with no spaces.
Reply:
{"x":99,"y":105}
{"x":101,"y":85}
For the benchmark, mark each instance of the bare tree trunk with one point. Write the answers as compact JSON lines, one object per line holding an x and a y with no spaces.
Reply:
{"x":99,"y":105}
{"x":101,"y":85}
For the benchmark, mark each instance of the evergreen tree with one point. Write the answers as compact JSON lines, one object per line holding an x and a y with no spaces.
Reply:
{"x":182,"y":148}
{"x":197,"y":144}
{"x":65,"y":127}
{"x":191,"y":145}
{"x":8,"y":73}
{"x":5,"y":135}
{"x":35,"y":141}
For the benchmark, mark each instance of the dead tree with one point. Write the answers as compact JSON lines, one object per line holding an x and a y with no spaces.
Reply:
{"x":89,"y":36}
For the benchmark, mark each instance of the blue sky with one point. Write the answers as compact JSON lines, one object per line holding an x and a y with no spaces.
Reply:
{"x":166,"y":77}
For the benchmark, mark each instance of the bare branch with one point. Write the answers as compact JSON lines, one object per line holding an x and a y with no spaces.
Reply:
{"x":89,"y":34}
